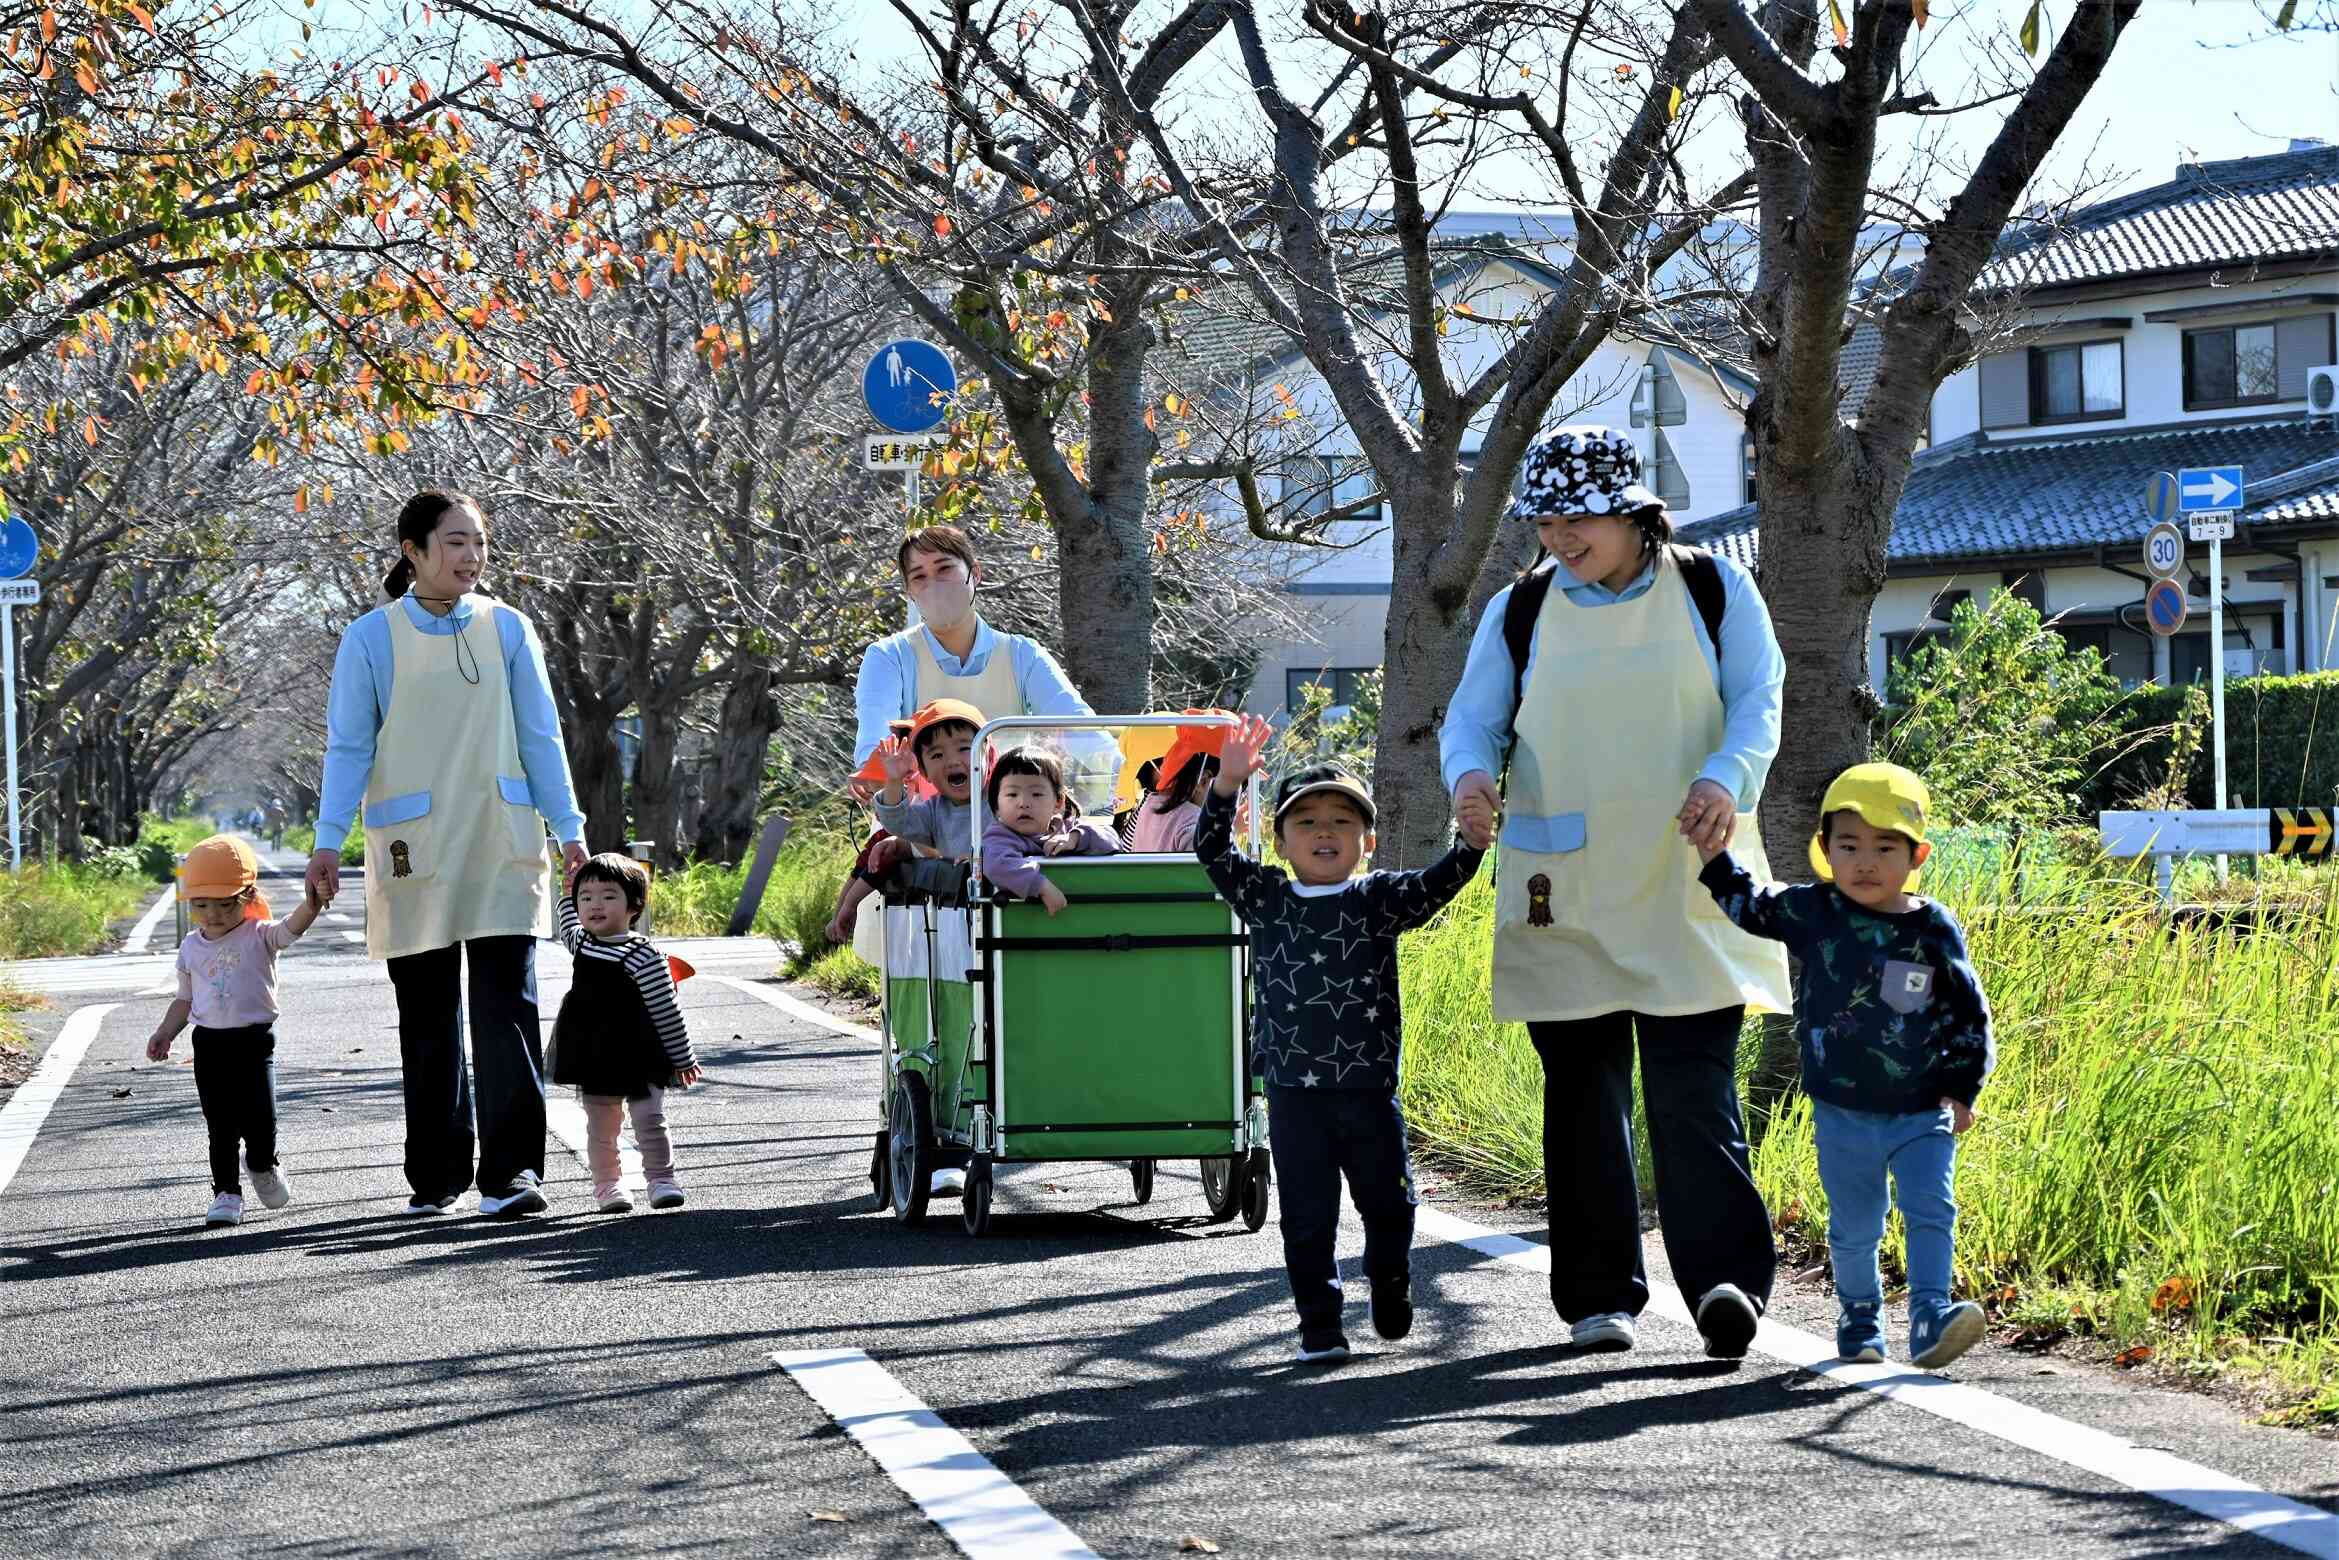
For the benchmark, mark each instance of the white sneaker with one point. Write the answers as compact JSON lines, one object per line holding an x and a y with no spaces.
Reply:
{"x":274,"y":1188}
{"x":1611,"y":1332}
{"x":948,"y":1183}
{"x":521,"y":1197}
{"x":616,"y":1202}
{"x":665,"y":1194}
{"x":227,"y":1208}
{"x":416,"y":1206}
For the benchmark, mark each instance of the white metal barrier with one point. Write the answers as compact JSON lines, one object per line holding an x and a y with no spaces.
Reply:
{"x":2240,"y":831}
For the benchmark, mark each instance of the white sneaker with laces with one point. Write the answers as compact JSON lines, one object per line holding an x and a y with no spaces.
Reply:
{"x":1611,"y":1332}
{"x":416,"y":1206}
{"x":227,"y":1208}
{"x":274,"y":1187}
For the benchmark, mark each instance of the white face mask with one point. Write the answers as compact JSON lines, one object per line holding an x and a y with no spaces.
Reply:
{"x":945,"y":601}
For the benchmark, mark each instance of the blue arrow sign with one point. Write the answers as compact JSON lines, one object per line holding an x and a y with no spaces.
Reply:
{"x":19,"y":549}
{"x":2209,"y":487}
{"x":904,"y":383}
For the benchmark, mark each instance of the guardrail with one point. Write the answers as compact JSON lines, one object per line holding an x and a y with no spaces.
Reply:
{"x":2304,"y":832}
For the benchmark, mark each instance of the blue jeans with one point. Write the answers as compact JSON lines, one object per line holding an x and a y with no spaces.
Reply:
{"x":1317,"y":1136}
{"x":1856,"y":1150}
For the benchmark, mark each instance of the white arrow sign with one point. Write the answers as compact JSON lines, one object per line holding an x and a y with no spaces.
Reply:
{"x":2209,"y":488}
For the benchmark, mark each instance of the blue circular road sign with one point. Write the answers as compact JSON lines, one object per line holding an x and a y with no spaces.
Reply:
{"x":904,"y":384}
{"x":2160,"y":496}
{"x":2165,"y":607}
{"x":19,"y":549}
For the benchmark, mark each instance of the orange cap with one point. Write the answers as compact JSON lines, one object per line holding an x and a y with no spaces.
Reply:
{"x":873,"y":769}
{"x":934,"y":714}
{"x":221,"y":867}
{"x":1193,"y":742}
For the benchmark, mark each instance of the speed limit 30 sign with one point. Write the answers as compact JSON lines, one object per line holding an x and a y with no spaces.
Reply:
{"x":2164,"y":550}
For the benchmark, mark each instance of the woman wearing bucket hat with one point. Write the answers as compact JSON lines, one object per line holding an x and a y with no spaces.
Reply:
{"x":440,"y":721}
{"x":1634,"y":705}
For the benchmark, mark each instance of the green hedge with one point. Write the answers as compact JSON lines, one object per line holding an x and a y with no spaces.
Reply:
{"x":2281,"y":745}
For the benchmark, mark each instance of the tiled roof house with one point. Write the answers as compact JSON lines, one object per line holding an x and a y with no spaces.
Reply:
{"x":2176,"y":326}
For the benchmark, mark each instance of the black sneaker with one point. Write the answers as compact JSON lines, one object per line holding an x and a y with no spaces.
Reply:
{"x":519,"y":1198}
{"x":1320,"y":1344}
{"x":1392,"y":1307}
{"x":1727,"y":1320}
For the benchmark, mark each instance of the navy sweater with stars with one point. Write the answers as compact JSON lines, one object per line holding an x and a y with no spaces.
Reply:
{"x":1889,"y":1012}
{"x":1324,"y":1011}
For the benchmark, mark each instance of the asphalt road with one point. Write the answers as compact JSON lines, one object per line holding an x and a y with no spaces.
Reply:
{"x":336,"y":1380}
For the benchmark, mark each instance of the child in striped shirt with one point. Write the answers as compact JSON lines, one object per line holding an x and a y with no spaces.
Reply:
{"x":620,"y":1039}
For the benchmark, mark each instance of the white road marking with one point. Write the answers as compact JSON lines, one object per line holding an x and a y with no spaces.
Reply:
{"x":796,"y":1008}
{"x":2289,"y":1523}
{"x":985,"y":1513}
{"x":169,"y":988}
{"x":337,"y":917}
{"x":144,"y":930}
{"x":565,"y":1114}
{"x":353,"y":937}
{"x":28,"y":1107}
{"x":77,"y":976}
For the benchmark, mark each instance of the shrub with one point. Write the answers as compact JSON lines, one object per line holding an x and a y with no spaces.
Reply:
{"x":2281,"y":744}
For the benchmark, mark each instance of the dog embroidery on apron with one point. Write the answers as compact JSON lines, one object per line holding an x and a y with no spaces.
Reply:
{"x":401,"y":865}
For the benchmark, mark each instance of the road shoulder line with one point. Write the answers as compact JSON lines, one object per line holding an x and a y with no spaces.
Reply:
{"x":28,"y":1107}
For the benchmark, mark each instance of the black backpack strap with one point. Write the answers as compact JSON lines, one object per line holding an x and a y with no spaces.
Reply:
{"x":1703,"y":575}
{"x":1518,"y":625}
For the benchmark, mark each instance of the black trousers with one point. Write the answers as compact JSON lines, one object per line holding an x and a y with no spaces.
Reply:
{"x":1316,"y":1136}
{"x":1715,"y":1226}
{"x":506,"y":1071}
{"x":235,"y":1079}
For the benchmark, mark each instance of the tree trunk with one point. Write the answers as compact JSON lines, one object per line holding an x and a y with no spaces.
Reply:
{"x":1428,"y":639}
{"x":598,"y":776}
{"x":750,"y":714}
{"x":657,"y":785}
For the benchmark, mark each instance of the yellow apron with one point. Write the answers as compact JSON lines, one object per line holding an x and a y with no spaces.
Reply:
{"x":995,"y":692}
{"x":454,"y":846}
{"x":1597,"y":904}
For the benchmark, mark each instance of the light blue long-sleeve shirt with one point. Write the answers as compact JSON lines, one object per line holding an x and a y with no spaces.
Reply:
{"x":887,"y":689}
{"x":360,"y":698}
{"x":1750,"y":676}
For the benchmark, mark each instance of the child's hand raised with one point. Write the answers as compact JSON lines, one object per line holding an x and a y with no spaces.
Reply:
{"x":1241,"y":757}
{"x":894,"y":753}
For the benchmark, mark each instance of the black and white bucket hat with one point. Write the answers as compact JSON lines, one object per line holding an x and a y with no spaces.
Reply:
{"x":1584,"y":470}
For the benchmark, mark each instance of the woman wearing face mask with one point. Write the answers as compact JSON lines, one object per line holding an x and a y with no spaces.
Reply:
{"x":953,"y":654}
{"x":440,"y":721}
{"x":1640,"y":720}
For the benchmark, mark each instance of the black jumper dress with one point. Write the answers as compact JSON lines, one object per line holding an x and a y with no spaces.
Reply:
{"x":603,"y":1040}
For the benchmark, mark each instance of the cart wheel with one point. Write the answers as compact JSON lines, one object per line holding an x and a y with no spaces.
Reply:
{"x":1219,"y":1189}
{"x":881,"y":1171}
{"x":1254,"y":1195}
{"x":911,"y":1149}
{"x":1141,"y":1178}
{"x":974,"y":1206}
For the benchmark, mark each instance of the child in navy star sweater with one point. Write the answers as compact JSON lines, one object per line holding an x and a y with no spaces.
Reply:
{"x":1895,"y":1035}
{"x":1326,"y":1026}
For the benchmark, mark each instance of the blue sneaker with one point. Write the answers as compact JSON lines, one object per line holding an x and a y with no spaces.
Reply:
{"x":1937,"y":1337}
{"x":1859,"y":1335}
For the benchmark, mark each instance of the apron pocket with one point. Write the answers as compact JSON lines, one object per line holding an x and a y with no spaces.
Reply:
{"x":1533,"y":874}
{"x":398,"y":840}
{"x":522,"y":821}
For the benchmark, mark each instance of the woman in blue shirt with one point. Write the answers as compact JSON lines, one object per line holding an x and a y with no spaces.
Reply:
{"x":440,"y":721}
{"x":1631,"y":725}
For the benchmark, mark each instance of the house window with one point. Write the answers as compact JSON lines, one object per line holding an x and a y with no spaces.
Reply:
{"x":2232,"y":366}
{"x":1340,"y":682}
{"x":2083,"y":382}
{"x":2127,"y":654}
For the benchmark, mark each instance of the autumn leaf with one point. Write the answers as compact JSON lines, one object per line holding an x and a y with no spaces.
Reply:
{"x":2289,"y":10}
{"x":2030,"y":30}
{"x":1835,"y":20}
{"x":2129,"y":1359}
{"x":2174,"y":1294}
{"x":579,"y":399}
{"x":495,"y":73}
{"x":1918,"y":12}
{"x":300,"y":502}
{"x":89,"y":431}
{"x":942,"y":226}
{"x":1673,"y":105}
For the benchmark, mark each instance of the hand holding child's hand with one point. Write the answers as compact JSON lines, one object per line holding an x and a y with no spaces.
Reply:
{"x":158,"y":1048}
{"x":1242,"y":756}
{"x":1961,"y":1115}
{"x":1708,"y":816}
{"x":894,"y":753}
{"x":1477,"y":804}
{"x":1052,"y":897}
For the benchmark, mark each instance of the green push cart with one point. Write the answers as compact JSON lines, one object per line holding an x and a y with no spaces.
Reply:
{"x":1116,"y":1030}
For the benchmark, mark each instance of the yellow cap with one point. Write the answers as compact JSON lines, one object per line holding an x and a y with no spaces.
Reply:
{"x":222,"y":867}
{"x":1887,"y":796}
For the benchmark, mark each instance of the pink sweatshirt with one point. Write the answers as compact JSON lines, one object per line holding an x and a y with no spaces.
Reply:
{"x":232,"y":982}
{"x":1159,"y":831}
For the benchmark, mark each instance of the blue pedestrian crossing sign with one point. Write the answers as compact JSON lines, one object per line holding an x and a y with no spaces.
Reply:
{"x":906,"y":383}
{"x":2207,"y":488}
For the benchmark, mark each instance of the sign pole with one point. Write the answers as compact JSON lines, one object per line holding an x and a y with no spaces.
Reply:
{"x":2217,"y":672}
{"x":8,"y":655}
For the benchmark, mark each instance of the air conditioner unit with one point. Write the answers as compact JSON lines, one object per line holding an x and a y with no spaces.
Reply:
{"x":2323,"y":392}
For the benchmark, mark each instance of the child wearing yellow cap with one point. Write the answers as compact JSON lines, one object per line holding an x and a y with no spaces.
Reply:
{"x":227,"y":984}
{"x":1895,"y":1037}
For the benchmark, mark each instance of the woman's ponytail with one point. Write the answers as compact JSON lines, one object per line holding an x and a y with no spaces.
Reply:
{"x":400,"y":576}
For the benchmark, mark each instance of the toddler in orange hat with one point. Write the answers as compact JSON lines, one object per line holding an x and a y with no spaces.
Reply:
{"x":227,"y":984}
{"x":1168,"y":818}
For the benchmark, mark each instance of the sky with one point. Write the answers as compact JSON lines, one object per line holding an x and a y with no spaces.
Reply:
{"x":2190,"y":79}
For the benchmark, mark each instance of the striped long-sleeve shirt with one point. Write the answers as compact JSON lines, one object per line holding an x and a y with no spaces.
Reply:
{"x":641,"y":960}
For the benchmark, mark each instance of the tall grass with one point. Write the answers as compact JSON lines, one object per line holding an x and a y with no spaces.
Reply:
{"x":2157,"y":1155}
{"x":698,"y":901}
{"x":63,"y":909}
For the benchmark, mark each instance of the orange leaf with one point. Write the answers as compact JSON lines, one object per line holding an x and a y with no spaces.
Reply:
{"x":2129,"y":1359}
{"x":1918,"y":11}
{"x":942,"y":227}
{"x":2173,"y":1294}
{"x":579,"y":400}
{"x":89,"y":431}
{"x":48,"y":26}
{"x":536,"y":101}
{"x":495,"y":73}
{"x":420,"y":91}
{"x":300,"y":502}
{"x":253,"y":384}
